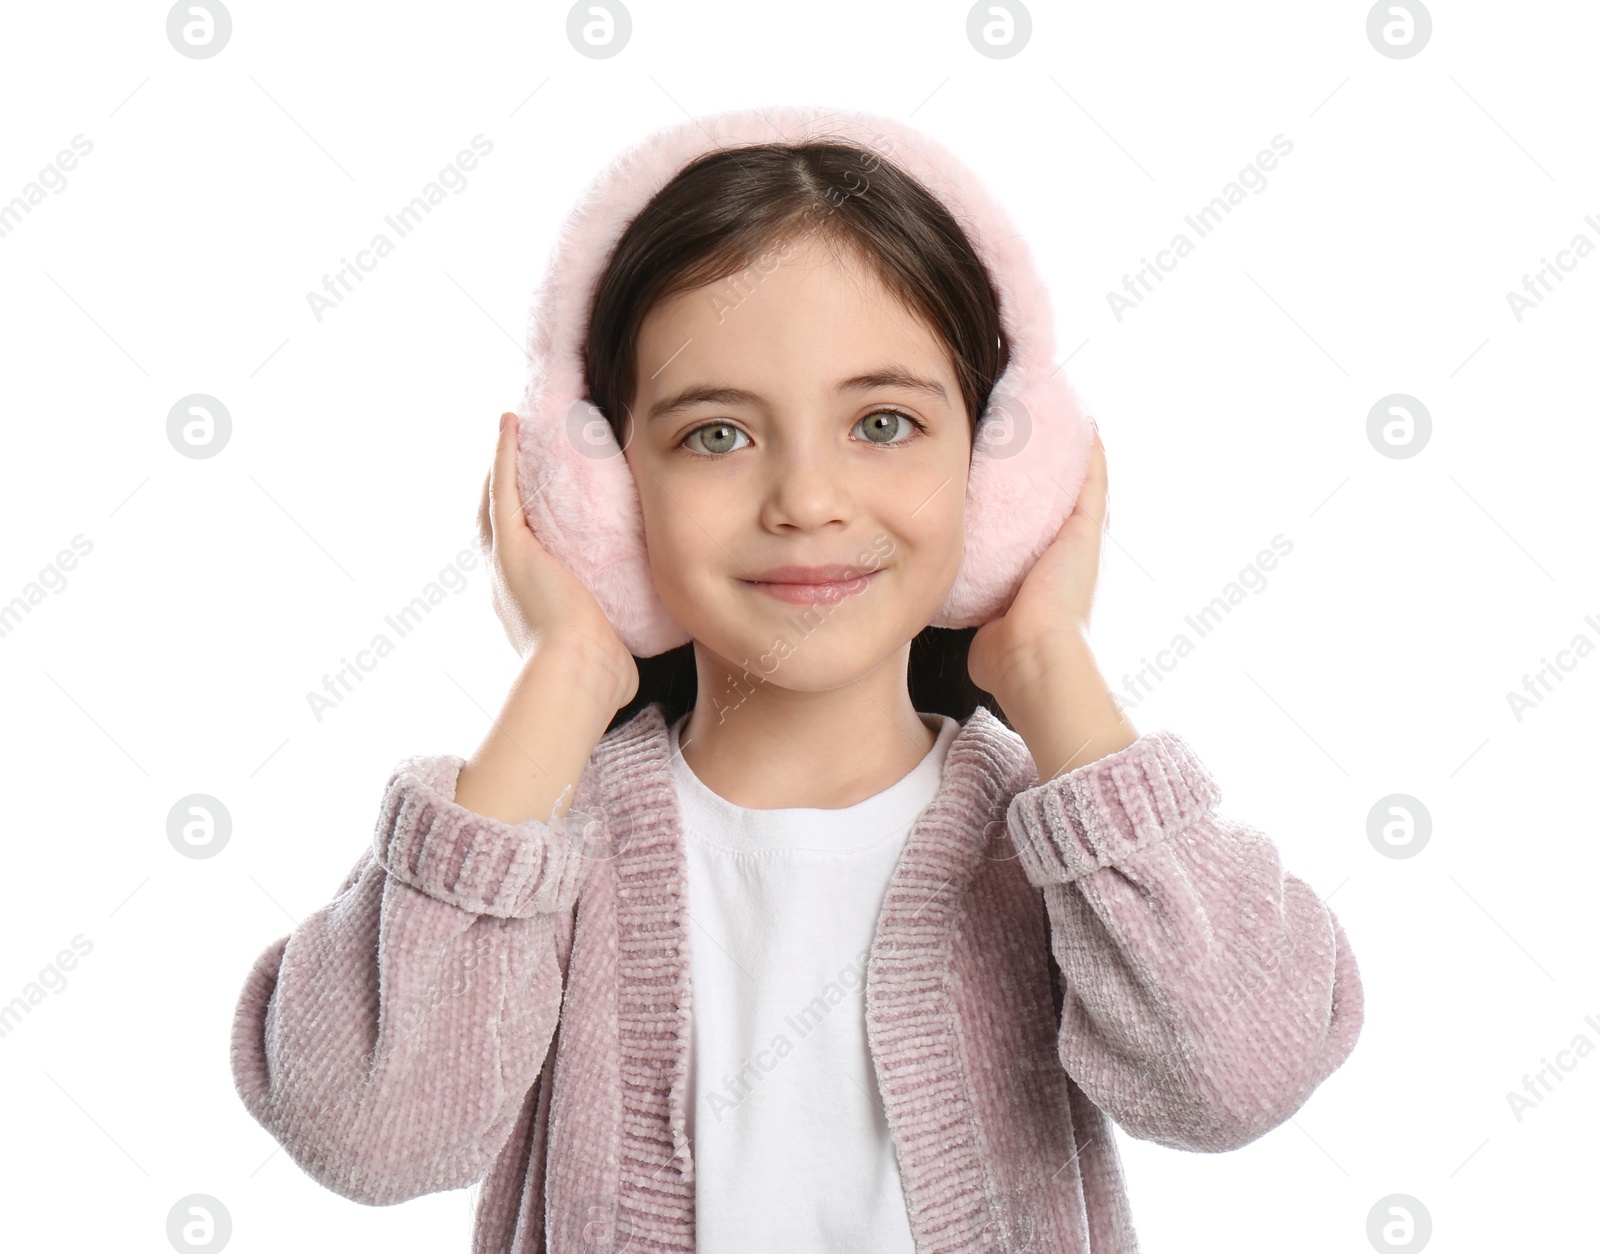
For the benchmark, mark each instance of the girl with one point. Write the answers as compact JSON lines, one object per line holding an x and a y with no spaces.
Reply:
{"x":781,"y":910}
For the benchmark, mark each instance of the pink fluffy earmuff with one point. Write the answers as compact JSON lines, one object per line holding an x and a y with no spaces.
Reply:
{"x":1032,"y":448}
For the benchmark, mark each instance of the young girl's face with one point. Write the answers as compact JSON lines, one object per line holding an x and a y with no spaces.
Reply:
{"x":815,"y":422}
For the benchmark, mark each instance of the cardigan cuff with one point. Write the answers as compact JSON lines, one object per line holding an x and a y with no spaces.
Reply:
{"x":1101,"y":812}
{"x":510,"y":870}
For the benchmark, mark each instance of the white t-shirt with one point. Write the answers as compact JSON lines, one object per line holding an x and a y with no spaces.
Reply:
{"x":792,"y":1151}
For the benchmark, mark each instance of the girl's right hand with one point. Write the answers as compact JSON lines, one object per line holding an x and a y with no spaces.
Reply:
{"x":539,"y":601}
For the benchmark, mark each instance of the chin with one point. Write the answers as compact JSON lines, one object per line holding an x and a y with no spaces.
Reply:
{"x":791,"y":658}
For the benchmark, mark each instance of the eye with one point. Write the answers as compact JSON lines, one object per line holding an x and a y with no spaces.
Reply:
{"x":881,"y":427}
{"x":719,"y":439}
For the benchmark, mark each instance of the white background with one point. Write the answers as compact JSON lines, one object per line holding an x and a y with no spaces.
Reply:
{"x":1233,"y":402}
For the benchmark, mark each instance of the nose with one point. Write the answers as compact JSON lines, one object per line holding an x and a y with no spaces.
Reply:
{"x":807,"y":486}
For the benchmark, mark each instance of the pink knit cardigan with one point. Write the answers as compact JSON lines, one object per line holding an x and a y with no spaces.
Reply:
{"x":509,"y":1003}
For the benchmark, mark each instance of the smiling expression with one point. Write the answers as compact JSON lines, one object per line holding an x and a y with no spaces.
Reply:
{"x":801,"y":456}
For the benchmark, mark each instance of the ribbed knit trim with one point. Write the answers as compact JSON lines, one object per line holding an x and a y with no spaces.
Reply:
{"x":950,"y":1190}
{"x":1101,"y":812}
{"x":952,"y":1193}
{"x":655,"y":1187}
{"x":509,"y":870}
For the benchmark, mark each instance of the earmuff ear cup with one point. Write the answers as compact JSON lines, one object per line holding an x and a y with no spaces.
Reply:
{"x":1030,"y":458}
{"x":581,"y":501}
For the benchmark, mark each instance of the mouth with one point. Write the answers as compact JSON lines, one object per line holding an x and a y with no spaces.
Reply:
{"x":804,"y":585}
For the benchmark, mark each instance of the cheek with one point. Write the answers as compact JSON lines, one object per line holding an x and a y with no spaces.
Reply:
{"x":926,"y":504}
{"x":933,"y":536}
{"x":664,"y":536}
{"x":941,"y":542}
{"x":680,"y":532}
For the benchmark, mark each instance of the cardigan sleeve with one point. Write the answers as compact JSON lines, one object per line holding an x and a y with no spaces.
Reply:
{"x":1207,"y":991}
{"x":389,"y":1040}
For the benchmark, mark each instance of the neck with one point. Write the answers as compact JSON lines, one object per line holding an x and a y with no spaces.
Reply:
{"x":766,"y":747}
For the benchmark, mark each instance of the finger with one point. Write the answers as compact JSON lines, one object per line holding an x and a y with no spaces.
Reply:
{"x":505,"y":506}
{"x":485,"y":531}
{"x":1105,"y":480}
{"x":1092,"y":495}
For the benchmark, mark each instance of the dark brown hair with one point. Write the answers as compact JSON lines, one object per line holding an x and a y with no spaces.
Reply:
{"x":735,"y":209}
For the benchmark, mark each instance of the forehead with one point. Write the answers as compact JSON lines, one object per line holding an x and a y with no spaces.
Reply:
{"x":815,"y":310}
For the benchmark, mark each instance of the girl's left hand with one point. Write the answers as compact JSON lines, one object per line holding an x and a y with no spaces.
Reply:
{"x":1050,"y":613}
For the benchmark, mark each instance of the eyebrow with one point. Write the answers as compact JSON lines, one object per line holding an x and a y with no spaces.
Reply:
{"x":710,"y":394}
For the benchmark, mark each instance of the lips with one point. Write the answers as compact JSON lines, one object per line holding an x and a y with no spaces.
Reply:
{"x":806,"y":584}
{"x":809,"y":574}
